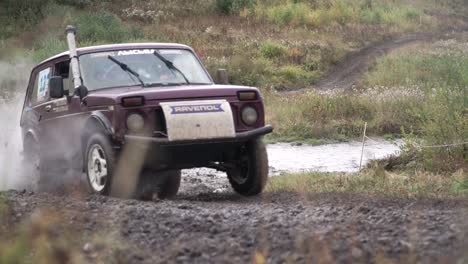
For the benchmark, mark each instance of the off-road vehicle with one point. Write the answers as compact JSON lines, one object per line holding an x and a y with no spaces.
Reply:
{"x":131,"y":116}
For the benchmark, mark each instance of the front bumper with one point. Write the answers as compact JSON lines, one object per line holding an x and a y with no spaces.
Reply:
{"x":240,"y":137}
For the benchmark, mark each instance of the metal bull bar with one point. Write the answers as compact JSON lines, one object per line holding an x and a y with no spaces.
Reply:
{"x":71,"y":32}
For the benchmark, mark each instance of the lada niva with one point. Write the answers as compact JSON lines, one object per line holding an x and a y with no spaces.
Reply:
{"x":131,"y":116}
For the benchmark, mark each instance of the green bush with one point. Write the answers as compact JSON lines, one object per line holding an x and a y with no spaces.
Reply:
{"x":48,"y":46}
{"x":103,"y":27}
{"x":77,"y":3}
{"x":251,"y":72}
{"x":229,"y":7}
{"x":286,"y":14}
{"x":17,"y":16}
{"x":272,"y":50}
{"x":290,"y":77}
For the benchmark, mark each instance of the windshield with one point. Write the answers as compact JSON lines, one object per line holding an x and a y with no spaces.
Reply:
{"x":100,"y":70}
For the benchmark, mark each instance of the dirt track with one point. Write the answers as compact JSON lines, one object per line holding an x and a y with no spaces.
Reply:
{"x":201,"y":226}
{"x":349,"y":71}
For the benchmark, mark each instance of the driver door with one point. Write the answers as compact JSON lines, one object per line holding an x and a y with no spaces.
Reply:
{"x":63,"y":121}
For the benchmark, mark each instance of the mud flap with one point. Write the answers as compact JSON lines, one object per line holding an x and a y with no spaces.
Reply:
{"x":191,"y":120}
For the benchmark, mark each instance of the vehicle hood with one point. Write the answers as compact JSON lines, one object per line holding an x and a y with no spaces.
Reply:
{"x":111,"y":96}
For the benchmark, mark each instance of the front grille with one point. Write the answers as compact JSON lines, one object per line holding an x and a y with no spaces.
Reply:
{"x":160,"y":129}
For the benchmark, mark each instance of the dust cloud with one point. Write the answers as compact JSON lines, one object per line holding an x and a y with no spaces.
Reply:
{"x":14,"y":76}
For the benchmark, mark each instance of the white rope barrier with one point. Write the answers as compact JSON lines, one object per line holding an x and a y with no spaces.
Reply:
{"x":442,"y":146}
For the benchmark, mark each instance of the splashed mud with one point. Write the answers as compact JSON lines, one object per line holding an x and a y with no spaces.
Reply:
{"x":13,"y":82}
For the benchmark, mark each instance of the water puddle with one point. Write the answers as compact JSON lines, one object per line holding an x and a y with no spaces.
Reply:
{"x":340,"y":157}
{"x":289,"y":158}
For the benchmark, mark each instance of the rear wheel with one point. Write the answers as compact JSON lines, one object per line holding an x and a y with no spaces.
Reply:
{"x":32,"y":165}
{"x":164,"y":184}
{"x":250,"y":174}
{"x":99,"y":163}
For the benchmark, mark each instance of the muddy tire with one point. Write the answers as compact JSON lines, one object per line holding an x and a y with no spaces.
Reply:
{"x":164,"y":184}
{"x":250,"y":175}
{"x":99,"y":163}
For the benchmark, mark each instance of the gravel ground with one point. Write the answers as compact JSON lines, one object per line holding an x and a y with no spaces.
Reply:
{"x":208,"y":223}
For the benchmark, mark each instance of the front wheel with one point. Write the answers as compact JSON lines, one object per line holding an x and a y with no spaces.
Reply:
{"x":99,"y":164}
{"x":250,"y":174}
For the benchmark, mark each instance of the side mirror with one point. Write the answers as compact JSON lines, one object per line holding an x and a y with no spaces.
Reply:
{"x":222,"y":76}
{"x":56,"y":87}
{"x":81,"y":91}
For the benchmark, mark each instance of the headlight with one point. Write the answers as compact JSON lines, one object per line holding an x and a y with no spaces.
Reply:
{"x":135,"y":122}
{"x":249,"y":115}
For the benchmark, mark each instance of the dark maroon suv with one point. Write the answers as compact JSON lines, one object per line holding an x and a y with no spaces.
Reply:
{"x":131,"y":116}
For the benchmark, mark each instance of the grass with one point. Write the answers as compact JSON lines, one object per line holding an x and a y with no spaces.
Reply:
{"x":442,"y":62}
{"x":344,"y":13}
{"x":340,"y":115}
{"x":376,"y":181}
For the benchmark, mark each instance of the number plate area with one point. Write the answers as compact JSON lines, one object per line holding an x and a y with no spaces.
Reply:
{"x":192,"y":120}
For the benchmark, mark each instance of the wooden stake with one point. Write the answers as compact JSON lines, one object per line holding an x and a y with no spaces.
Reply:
{"x":363,"y":142}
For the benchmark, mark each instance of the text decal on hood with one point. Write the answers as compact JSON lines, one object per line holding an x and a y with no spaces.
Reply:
{"x":193,"y":109}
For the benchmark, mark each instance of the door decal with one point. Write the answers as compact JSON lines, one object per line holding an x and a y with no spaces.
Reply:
{"x":43,"y":83}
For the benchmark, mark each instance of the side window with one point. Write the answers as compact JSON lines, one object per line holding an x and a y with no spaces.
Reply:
{"x":40,"y":90}
{"x":63,"y":69}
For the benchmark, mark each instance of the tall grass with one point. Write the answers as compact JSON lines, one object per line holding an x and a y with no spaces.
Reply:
{"x":339,"y":115}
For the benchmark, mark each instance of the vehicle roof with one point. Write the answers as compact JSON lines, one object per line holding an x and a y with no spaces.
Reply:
{"x":123,"y":46}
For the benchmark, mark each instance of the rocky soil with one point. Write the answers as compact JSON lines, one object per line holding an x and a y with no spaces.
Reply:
{"x":208,"y":223}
